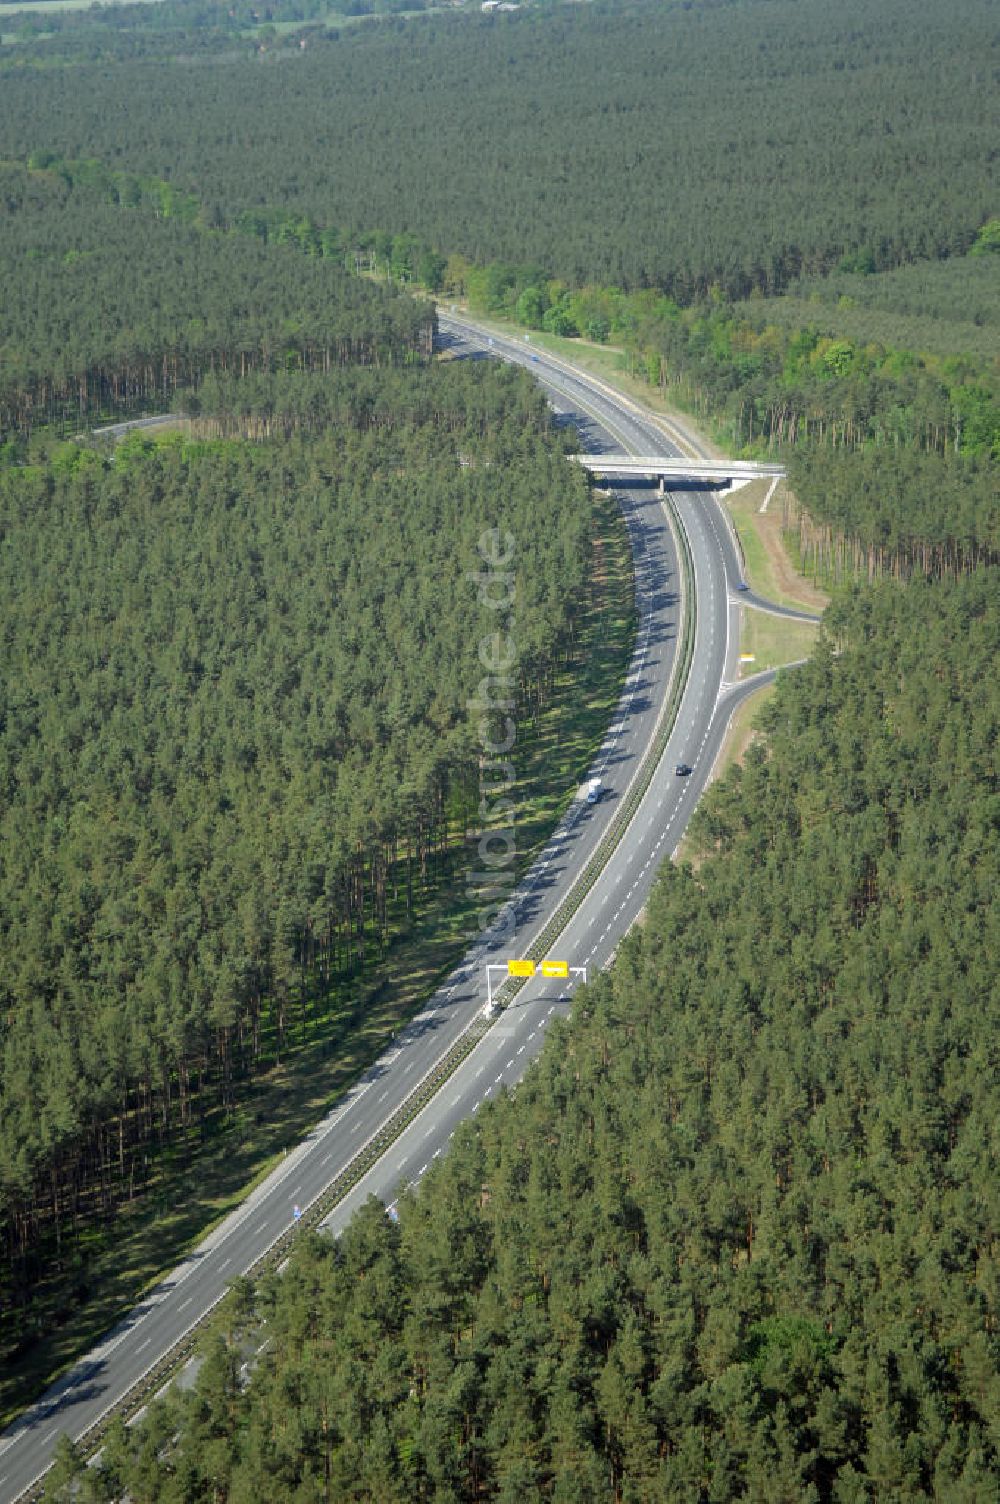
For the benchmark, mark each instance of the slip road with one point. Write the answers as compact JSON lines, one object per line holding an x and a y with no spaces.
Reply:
{"x":606,"y":422}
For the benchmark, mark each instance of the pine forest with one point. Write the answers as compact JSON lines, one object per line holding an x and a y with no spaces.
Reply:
{"x":734,"y":1236}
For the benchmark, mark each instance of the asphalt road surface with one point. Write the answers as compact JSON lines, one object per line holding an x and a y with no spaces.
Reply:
{"x":606,"y":423}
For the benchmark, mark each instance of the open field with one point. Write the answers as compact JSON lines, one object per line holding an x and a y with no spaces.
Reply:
{"x":52,"y":7}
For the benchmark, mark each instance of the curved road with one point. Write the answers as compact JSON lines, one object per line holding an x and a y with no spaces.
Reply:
{"x":606,"y":422}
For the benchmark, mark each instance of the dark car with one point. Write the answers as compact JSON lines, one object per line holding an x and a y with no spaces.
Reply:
{"x":742,"y":585}
{"x":682,"y":769}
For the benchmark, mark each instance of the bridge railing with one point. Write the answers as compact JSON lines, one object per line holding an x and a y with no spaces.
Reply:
{"x":655,"y":465}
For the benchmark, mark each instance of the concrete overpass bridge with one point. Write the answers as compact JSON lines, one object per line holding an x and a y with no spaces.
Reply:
{"x":674,"y":467}
{"x":667,"y":467}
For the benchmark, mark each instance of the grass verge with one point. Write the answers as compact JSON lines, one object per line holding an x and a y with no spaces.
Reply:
{"x":560,"y":747}
{"x":740,"y":735}
{"x":771,"y":641}
{"x":194,"y":1185}
{"x":742,"y":730}
{"x":611,"y":364}
{"x":770,"y":569}
{"x":317,"y":1211}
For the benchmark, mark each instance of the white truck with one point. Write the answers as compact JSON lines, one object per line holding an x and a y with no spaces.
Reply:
{"x":592,"y":791}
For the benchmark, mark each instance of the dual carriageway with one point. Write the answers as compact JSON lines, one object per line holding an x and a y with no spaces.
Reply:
{"x":357,"y":1144}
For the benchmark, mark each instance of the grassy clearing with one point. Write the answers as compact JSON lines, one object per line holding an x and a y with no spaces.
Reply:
{"x":53,"y":7}
{"x":772,"y":641}
{"x":335,"y":19}
{"x":199,"y":1182}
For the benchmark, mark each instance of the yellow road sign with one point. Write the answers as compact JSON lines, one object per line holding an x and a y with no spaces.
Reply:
{"x":555,"y":968}
{"x":520,"y":968}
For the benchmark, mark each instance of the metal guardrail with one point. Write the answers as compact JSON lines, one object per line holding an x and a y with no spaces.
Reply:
{"x":640,"y":783}
{"x":679,"y":469}
{"x":158,"y":1374}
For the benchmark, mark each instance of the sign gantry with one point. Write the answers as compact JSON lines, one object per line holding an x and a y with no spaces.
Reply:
{"x":524,"y":968}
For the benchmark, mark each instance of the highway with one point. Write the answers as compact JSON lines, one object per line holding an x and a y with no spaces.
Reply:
{"x":606,"y":423}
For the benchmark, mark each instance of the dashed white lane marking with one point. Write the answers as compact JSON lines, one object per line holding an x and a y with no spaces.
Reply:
{"x":422,"y":1169}
{"x":593,"y":951}
{"x":185,"y":1303}
{"x":225,"y":1264}
{"x":521,"y":1050}
{"x":408,"y":1067}
{"x":296,"y":1191}
{"x":261,"y":1228}
{"x":383,"y":1096}
{"x":143,"y":1345}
